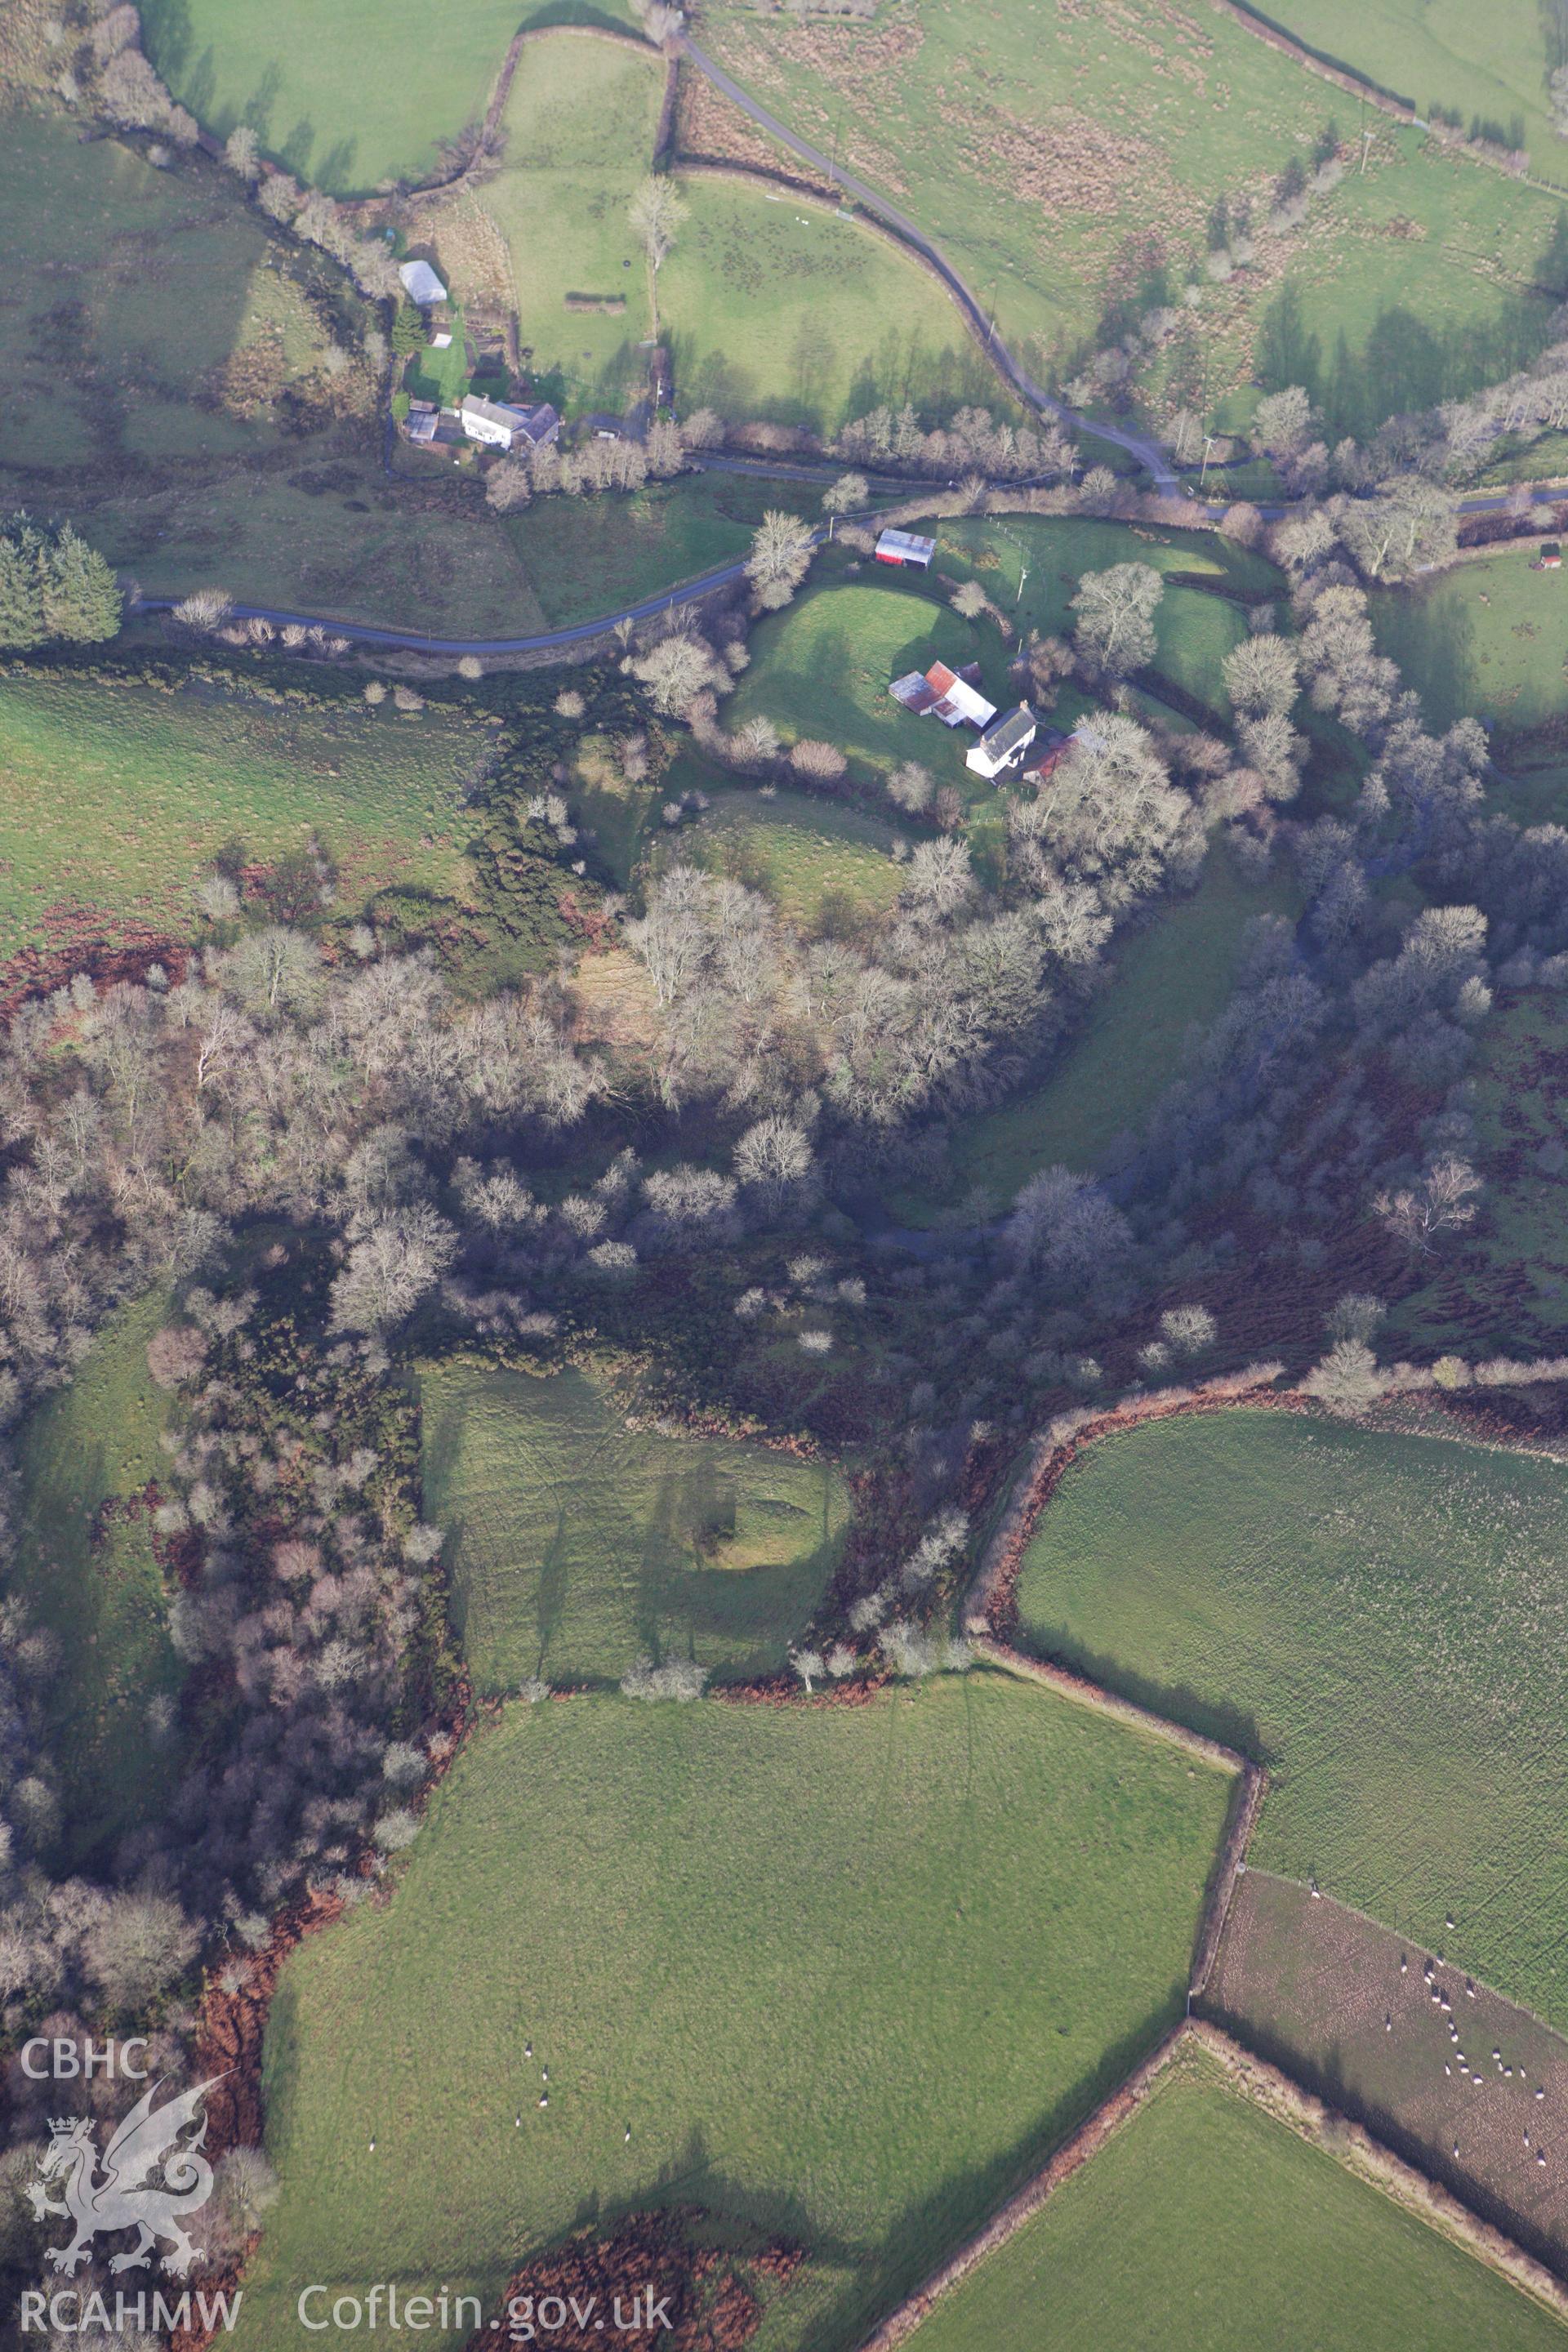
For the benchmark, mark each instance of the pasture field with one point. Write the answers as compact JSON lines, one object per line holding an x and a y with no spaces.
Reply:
{"x":1442,"y":52}
{"x":86,"y":1570}
{"x":1030,"y":566}
{"x":885,"y":1956}
{"x":823,"y":864}
{"x":770,"y":305}
{"x":1171,"y":975}
{"x":1488,"y":638}
{"x":785,"y":309}
{"x":118,"y":796}
{"x":1380,"y":1620}
{"x":1321,"y":1989}
{"x":1205,"y":2224}
{"x":142,"y":290}
{"x":350,"y":97}
{"x":579,"y":126}
{"x":579,"y":1545}
{"x":1077,"y":168}
{"x":821,"y":669}
{"x":586,"y":556}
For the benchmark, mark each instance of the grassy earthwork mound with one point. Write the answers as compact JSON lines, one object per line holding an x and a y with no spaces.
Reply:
{"x":580,"y":1545}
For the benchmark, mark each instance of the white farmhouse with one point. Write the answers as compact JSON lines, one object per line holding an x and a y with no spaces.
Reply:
{"x":501,"y":427}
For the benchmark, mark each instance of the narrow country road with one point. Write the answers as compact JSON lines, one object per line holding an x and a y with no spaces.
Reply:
{"x":1149,"y":453}
{"x":685,"y":591}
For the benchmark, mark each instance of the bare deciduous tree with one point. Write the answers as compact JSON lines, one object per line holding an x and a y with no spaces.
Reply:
{"x":847,"y":495}
{"x":1260,"y":675}
{"x":780,"y":558}
{"x":242,"y":152}
{"x":1116,"y":612}
{"x":1444,"y":1198}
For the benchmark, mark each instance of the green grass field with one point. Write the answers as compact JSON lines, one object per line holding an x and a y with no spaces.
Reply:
{"x":579,"y":126}
{"x":1030,"y":565}
{"x":780,"y":307}
{"x":118,"y":796}
{"x":1379,"y":1617}
{"x":1075,"y":174}
{"x":89,"y":1575}
{"x":1207,"y":2225}
{"x":579,"y":1544}
{"x":1174,"y":972}
{"x":769,"y":305}
{"x":1442,"y":52}
{"x":347,"y":100}
{"x":844,"y":1973}
{"x":820,"y":862}
{"x":1489,"y":638}
{"x":141,"y":289}
{"x":821,"y":669}
{"x":586,"y":556}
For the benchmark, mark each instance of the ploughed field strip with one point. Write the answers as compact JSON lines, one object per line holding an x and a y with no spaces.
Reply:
{"x":843,"y":1974}
{"x":1378,"y":1619}
{"x":1458,"y":2080}
{"x":1206,"y":2224}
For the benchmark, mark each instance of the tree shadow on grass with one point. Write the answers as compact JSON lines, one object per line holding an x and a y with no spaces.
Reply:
{"x":1211,"y":1719}
{"x":927,"y":2231}
{"x":1431,"y":633}
{"x":929,"y":2228}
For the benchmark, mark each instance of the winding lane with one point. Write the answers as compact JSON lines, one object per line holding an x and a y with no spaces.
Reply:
{"x":1148,"y":453}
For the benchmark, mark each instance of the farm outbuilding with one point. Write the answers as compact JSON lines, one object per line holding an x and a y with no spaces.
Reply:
{"x":421,"y":284}
{"x":906,"y":549}
{"x":953,"y":696}
{"x":1549,"y":558}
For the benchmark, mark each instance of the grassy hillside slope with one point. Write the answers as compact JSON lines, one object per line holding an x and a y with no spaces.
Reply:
{"x":842,"y":1972}
{"x":1381,"y":1618}
{"x":1207,"y":2225}
{"x":118,"y":796}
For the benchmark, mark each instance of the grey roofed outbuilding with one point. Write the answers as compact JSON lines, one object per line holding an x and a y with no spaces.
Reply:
{"x":421,"y":284}
{"x":540,"y":422}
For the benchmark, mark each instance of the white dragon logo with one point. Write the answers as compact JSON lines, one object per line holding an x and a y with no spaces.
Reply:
{"x":121,"y":2199}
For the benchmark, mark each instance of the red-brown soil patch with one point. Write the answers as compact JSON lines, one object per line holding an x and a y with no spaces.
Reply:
{"x":703,"y":2299}
{"x":86,"y":939}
